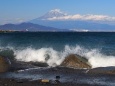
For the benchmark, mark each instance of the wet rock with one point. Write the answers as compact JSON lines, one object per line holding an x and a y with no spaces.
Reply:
{"x":102,"y":70}
{"x":19,"y":65}
{"x":39,"y":64}
{"x":76,"y":61}
{"x":4,"y":64}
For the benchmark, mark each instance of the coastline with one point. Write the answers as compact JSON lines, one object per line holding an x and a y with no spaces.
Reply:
{"x":13,"y":82}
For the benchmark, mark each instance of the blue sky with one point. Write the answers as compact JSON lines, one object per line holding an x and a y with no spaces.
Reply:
{"x":24,"y":10}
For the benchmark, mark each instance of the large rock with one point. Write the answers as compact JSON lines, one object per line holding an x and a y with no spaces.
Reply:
{"x":76,"y":61}
{"x":4,"y":64}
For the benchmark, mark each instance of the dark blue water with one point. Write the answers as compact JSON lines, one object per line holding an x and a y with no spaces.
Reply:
{"x":105,"y":41}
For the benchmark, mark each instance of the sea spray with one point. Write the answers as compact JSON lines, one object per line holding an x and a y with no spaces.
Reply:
{"x":95,"y":58}
{"x":39,"y":55}
{"x":53,"y":57}
{"x":98,"y":59}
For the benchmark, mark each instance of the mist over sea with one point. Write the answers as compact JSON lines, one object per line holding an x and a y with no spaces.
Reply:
{"x":97,"y":47}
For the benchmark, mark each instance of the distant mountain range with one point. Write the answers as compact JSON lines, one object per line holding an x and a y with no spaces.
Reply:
{"x":26,"y":27}
{"x":54,"y":21}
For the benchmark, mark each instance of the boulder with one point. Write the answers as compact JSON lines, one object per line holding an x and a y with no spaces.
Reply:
{"x":76,"y":61}
{"x":4,"y":64}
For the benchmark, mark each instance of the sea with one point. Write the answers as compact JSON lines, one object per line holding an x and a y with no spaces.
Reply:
{"x":97,"y":47}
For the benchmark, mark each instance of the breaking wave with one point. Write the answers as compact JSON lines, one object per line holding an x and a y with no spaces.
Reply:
{"x":53,"y":57}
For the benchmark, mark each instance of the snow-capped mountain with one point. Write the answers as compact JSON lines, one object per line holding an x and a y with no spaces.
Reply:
{"x":52,"y":14}
{"x":58,"y":19}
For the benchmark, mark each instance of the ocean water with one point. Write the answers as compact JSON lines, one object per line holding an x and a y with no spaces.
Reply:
{"x":97,"y":47}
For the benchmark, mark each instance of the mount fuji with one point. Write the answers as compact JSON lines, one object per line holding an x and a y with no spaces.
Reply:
{"x":52,"y":14}
{"x":58,"y":19}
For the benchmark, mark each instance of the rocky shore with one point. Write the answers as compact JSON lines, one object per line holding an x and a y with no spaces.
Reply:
{"x":74,"y":71}
{"x":12,"y":82}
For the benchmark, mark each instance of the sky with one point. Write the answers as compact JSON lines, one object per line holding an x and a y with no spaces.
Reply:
{"x":15,"y":11}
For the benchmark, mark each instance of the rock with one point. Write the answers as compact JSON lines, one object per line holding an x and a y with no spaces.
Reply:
{"x":102,"y":70}
{"x":39,"y":64}
{"x":19,"y":65}
{"x":4,"y":64}
{"x":76,"y":61}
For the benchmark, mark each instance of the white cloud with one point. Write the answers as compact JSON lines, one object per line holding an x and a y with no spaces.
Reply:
{"x":84,"y":17}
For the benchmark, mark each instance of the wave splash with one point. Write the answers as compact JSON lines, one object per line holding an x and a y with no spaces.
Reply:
{"x":48,"y":55}
{"x":53,"y":57}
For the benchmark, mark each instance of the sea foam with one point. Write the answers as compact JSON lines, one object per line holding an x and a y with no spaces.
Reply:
{"x":53,"y":57}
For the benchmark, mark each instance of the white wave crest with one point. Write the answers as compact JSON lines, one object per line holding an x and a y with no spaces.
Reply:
{"x":53,"y":57}
{"x":39,"y":55}
{"x":99,"y":60}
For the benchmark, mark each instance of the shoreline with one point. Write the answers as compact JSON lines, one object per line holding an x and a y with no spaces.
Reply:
{"x":68,"y":77}
{"x":13,"y":82}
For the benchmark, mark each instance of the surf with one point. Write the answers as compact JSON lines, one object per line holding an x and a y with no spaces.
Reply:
{"x":54,"y":58}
